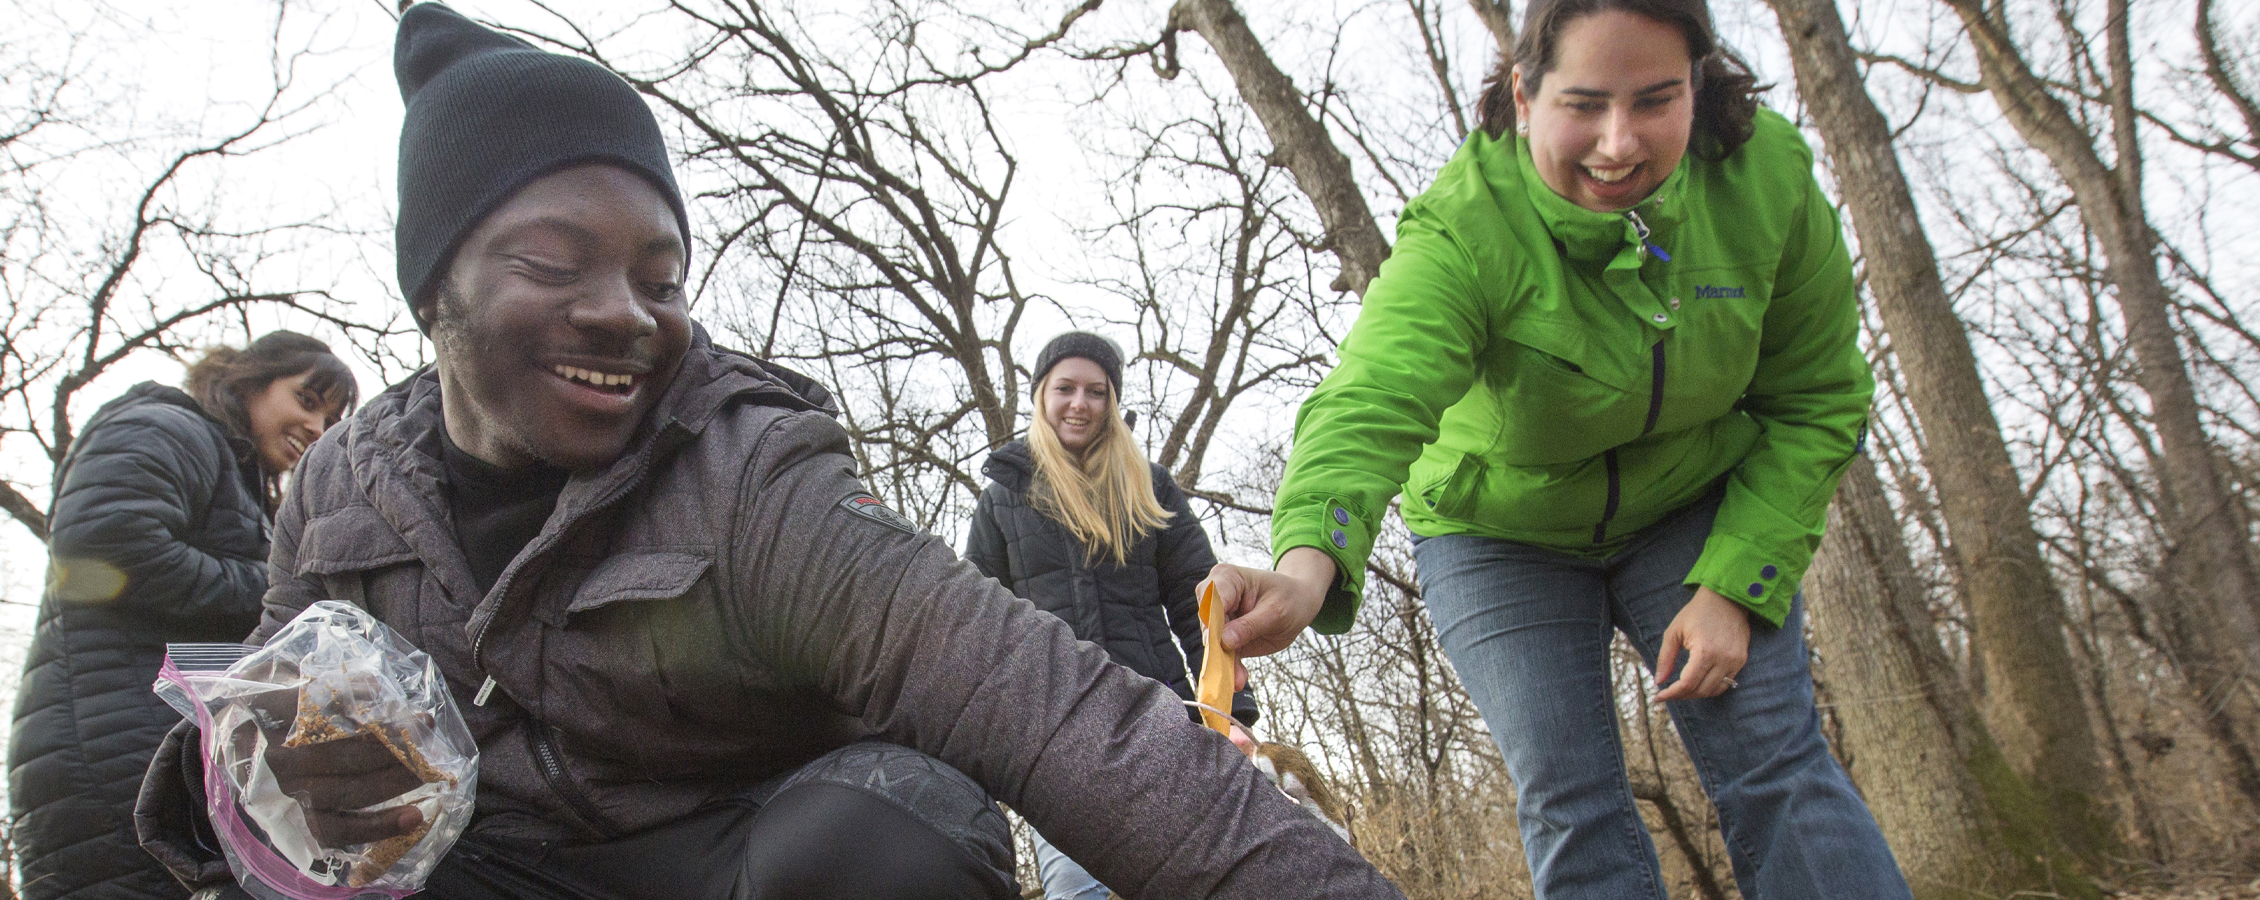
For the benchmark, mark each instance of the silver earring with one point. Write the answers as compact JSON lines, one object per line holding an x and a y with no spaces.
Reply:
{"x":1522,"y":128}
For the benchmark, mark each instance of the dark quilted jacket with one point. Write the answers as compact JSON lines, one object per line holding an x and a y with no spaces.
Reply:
{"x":724,"y":603}
{"x":157,"y":534}
{"x":1144,"y":612}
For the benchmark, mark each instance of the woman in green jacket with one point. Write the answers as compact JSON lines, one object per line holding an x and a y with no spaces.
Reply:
{"x":1612,"y":366}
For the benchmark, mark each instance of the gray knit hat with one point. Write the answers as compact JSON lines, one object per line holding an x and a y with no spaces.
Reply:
{"x":1078,"y":343}
{"x":488,"y":113}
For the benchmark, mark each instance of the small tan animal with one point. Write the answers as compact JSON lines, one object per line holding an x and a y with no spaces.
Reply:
{"x":1299,"y":780}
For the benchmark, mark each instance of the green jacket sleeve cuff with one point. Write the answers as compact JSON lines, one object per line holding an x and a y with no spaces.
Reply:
{"x":1337,"y":529}
{"x":1762,"y":578}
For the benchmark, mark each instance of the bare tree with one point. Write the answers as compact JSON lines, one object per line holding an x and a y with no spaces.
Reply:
{"x":2016,"y":612}
{"x":88,"y":284}
{"x":1299,"y":141}
{"x":1216,"y":268}
{"x":867,"y":184}
{"x":2217,"y":628}
{"x":1958,"y":815}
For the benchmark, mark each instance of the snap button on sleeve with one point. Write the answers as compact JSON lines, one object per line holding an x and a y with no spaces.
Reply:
{"x":1757,"y":590}
{"x":1341,"y":540}
{"x":1768,"y":572}
{"x":1661,"y":318}
{"x":1343,"y":516}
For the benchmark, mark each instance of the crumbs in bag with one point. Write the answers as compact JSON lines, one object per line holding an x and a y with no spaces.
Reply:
{"x":396,"y":740}
{"x":314,"y":726}
{"x":380,"y":856}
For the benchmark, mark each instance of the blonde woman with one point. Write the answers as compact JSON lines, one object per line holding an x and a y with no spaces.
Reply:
{"x":1078,"y":522}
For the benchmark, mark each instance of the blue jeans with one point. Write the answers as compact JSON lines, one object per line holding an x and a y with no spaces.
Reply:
{"x":1064,"y":879}
{"x":1528,"y":630}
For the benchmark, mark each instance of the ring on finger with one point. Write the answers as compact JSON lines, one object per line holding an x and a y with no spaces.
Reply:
{"x":1730,"y":683}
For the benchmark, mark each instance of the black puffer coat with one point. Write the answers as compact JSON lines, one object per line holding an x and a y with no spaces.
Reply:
{"x":1144,"y":612}
{"x":157,"y":534}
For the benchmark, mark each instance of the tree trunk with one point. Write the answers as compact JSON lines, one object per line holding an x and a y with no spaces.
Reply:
{"x":2032,"y":704}
{"x":2216,"y":636}
{"x":1298,"y":141}
{"x":1961,"y":820}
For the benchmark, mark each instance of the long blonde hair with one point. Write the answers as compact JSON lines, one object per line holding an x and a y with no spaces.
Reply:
{"x":1105,"y":497}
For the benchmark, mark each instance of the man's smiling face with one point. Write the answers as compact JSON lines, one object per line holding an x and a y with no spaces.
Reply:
{"x":561,"y":320}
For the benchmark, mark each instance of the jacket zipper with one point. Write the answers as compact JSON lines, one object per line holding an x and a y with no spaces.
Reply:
{"x":546,"y":754}
{"x":479,"y":641}
{"x":1641,"y":228}
{"x":560,"y":782}
{"x":1655,"y":394}
{"x":1655,"y":391}
{"x":1601,"y":528}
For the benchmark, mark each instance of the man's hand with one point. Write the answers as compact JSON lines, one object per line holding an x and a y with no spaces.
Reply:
{"x":334,"y":780}
{"x":1715,"y":632}
{"x":1265,"y":611}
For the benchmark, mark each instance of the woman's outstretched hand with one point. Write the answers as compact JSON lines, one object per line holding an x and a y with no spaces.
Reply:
{"x":1715,"y":632}
{"x":1265,"y":611}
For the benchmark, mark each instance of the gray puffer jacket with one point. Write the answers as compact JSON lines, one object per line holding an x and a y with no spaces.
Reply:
{"x":726,"y":602}
{"x":1143,"y":610}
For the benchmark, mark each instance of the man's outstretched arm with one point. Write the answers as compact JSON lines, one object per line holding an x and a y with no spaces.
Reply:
{"x":932,"y":654}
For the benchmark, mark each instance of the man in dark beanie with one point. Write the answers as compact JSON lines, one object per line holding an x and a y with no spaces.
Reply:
{"x":699,"y":659}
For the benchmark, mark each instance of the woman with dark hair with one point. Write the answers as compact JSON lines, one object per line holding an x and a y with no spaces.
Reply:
{"x":158,"y":533}
{"x":1612,"y":364}
{"x":1078,"y":522}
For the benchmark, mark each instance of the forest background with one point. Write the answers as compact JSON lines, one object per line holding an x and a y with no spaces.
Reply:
{"x":2035,"y":622}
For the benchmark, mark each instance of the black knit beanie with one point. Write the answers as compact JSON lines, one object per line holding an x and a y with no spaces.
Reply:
{"x":488,"y":113}
{"x":1086,"y":345}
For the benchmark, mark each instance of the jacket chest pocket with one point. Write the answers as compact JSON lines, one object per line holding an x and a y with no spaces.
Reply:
{"x":1714,"y":350}
{"x":640,"y":643}
{"x":357,"y":558}
{"x":1565,"y":389}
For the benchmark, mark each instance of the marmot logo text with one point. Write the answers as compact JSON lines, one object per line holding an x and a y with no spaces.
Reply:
{"x":1714,"y":292}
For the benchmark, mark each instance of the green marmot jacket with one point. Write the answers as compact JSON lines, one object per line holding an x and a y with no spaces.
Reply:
{"x":1530,"y":370}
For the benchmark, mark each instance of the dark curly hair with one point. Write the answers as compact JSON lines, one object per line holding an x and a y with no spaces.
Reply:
{"x":1725,"y":91}
{"x":225,"y":376}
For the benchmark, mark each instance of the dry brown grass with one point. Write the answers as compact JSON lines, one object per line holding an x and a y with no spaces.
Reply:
{"x":2213,"y":887}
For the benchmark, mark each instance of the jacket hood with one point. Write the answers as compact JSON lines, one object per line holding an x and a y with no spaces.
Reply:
{"x":713,"y":377}
{"x":392,"y":445}
{"x":144,"y":394}
{"x":1012,"y":465}
{"x":406,"y":420}
{"x":150,"y":393}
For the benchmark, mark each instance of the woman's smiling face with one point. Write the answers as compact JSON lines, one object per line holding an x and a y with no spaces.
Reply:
{"x":1611,"y":120}
{"x":1076,"y":398}
{"x":286,"y":418}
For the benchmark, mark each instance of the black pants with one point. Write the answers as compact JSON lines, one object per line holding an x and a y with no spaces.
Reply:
{"x":868,"y":821}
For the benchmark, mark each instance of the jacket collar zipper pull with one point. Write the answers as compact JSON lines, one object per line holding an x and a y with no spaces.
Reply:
{"x":1641,"y":228}
{"x":486,"y":689}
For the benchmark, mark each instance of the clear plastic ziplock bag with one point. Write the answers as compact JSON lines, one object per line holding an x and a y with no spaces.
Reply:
{"x":335,"y":673}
